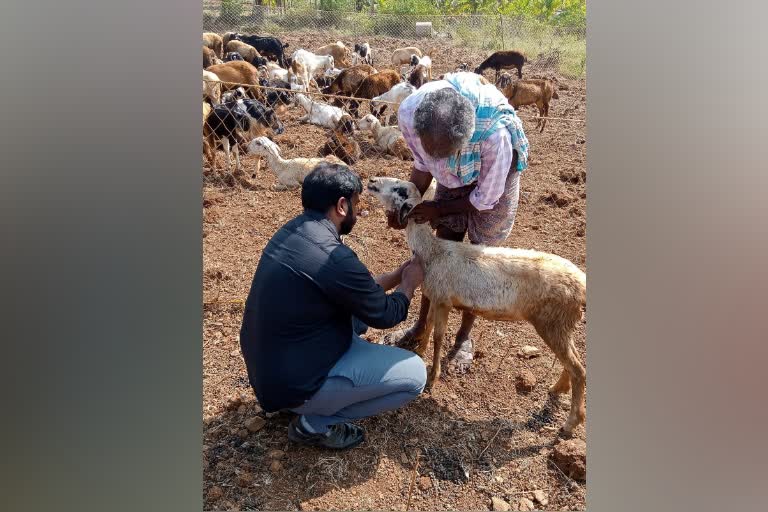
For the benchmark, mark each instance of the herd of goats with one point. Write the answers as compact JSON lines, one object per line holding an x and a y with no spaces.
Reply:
{"x":248,"y":83}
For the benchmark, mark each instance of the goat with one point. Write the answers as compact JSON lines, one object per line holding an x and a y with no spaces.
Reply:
{"x":533,"y":91}
{"x":230,"y":56}
{"x":504,"y":59}
{"x":236,"y":73}
{"x":341,"y":144}
{"x":278,"y":100}
{"x":268,"y":46}
{"x":388,"y":138}
{"x":419,"y":76}
{"x":248,"y":52}
{"x":320,"y":114}
{"x":275,"y":72}
{"x":209,"y":57}
{"x":235,"y":94}
{"x":211,"y":87}
{"x":214,"y":41}
{"x":349,"y":79}
{"x":373,"y":85}
{"x":338,"y":51}
{"x":305,"y":64}
{"x":425,"y":61}
{"x":227,"y":37}
{"x":290,"y":173}
{"x":230,"y":123}
{"x":394,"y":96}
{"x":362,"y":54}
{"x":497,"y":283}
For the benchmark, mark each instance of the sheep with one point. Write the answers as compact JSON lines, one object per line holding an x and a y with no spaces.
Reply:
{"x":230,"y":56}
{"x":402,"y":56}
{"x":341,"y":144}
{"x":267,"y":46}
{"x":362,"y":54}
{"x":497,"y":283}
{"x":209,"y":57}
{"x":305,"y":64}
{"x":290,"y":173}
{"x":230,"y":123}
{"x":338,"y":51}
{"x":238,"y":72}
{"x":503,"y":59}
{"x":248,"y":52}
{"x":373,"y":85}
{"x":425,"y":61}
{"x":388,"y":138}
{"x":211,"y":87}
{"x":533,"y":91}
{"x":214,"y":41}
{"x":394,"y":96}
{"x":320,"y":114}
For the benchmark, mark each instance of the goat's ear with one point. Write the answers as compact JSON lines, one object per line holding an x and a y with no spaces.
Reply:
{"x":405,"y":209}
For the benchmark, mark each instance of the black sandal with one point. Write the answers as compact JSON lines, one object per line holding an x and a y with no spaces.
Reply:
{"x":341,"y":436}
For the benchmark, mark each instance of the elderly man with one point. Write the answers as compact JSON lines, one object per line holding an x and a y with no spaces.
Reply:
{"x":310,"y":299}
{"x":466,"y":136}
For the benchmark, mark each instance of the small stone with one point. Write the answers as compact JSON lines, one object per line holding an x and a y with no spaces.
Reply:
{"x":271,"y":414}
{"x":276,"y":454}
{"x":571,"y":457}
{"x":242,"y":409}
{"x":425,"y":483}
{"x":499,"y":479}
{"x":215,"y":493}
{"x":540,"y":497}
{"x":529,"y":352}
{"x":235,"y":353}
{"x":525,"y":504}
{"x":242,"y":433}
{"x":275,"y":466}
{"x":500,"y":504}
{"x":404,"y":458}
{"x":234,"y":402}
{"x":255,"y":424}
{"x":244,"y":479}
{"x":525,"y":381}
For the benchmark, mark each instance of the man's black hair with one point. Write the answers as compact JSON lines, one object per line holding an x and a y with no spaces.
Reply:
{"x":327,"y":183}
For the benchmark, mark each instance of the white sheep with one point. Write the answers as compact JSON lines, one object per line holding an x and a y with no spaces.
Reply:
{"x":211,"y":87}
{"x":394,"y":96}
{"x":304,"y":64}
{"x":318,"y":113}
{"x":497,"y":283}
{"x":290,"y":173}
{"x":388,"y":138}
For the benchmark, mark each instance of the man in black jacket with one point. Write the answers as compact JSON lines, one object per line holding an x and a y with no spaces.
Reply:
{"x":310,"y":299}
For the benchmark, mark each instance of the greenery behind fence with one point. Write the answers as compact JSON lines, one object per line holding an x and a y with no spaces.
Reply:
{"x":551,"y":33}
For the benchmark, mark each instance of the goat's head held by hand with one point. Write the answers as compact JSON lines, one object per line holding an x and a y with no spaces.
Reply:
{"x":397,"y":196}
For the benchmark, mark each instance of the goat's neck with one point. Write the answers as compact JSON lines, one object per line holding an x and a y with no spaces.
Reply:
{"x":421,"y":240}
{"x":375,"y":129}
{"x":275,"y":160}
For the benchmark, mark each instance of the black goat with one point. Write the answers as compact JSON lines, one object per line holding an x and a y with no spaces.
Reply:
{"x":504,"y":59}
{"x":268,"y":46}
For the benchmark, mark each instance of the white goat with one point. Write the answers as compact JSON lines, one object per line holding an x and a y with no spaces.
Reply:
{"x":290,"y":173}
{"x":395,"y":95}
{"x":497,"y":283}
{"x":275,"y":72}
{"x":304,"y":64}
{"x":320,"y":114}
{"x":388,"y":138}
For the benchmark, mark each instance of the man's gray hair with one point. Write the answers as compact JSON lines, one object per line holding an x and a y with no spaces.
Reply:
{"x":445,"y":116}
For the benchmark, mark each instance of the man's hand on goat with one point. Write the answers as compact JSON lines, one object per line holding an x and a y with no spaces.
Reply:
{"x":425,"y":212}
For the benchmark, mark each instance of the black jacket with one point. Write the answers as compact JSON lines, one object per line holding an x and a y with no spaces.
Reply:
{"x":298,"y":318}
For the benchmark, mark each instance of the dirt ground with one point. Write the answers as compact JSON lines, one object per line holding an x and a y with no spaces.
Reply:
{"x":475,"y":436}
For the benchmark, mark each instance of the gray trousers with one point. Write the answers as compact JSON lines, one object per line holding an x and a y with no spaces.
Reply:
{"x":368,"y":379}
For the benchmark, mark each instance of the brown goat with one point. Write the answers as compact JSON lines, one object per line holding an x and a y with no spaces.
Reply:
{"x":418,"y":76}
{"x":534,"y":91}
{"x":374,"y":85}
{"x":238,"y":72}
{"x":349,"y":80}
{"x":341,"y":144}
{"x":214,"y":41}
{"x":340,"y":53}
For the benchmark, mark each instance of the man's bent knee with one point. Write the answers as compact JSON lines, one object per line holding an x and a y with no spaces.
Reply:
{"x":416,"y":372}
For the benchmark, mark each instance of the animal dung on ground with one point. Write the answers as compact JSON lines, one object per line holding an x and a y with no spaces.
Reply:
{"x":528,"y":352}
{"x":255,"y":424}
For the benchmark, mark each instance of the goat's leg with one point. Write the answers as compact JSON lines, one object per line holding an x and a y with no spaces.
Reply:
{"x":423,"y":341}
{"x":416,"y":334}
{"x":440,"y":317}
{"x":565,"y":351}
{"x":462,"y":351}
{"x":225,"y":144}
{"x":563,"y":384}
{"x":546,"y":115}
